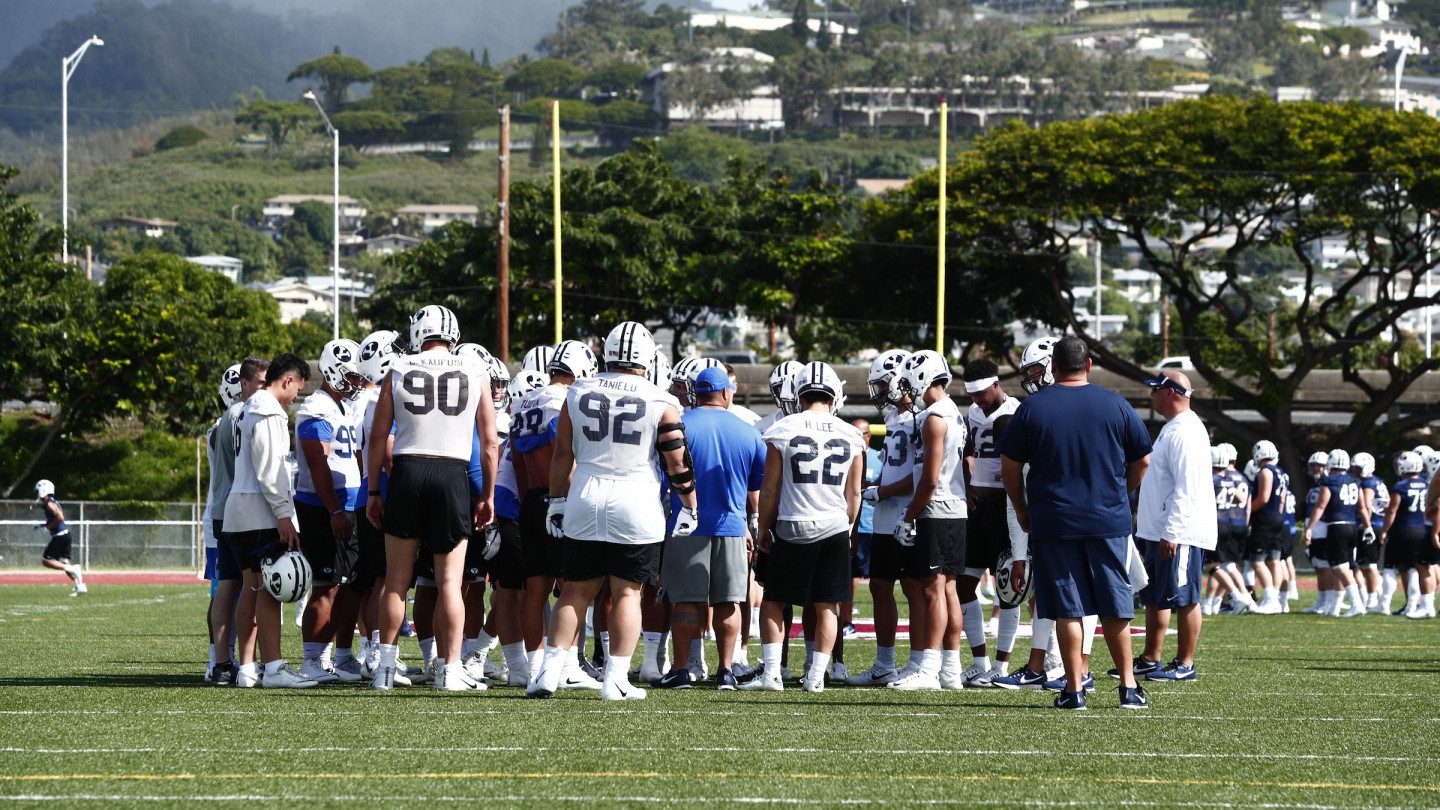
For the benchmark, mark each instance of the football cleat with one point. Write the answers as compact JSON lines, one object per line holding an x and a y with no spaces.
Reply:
{"x":919,"y":681}
{"x":1358,"y":609}
{"x":987,"y":681}
{"x":576,"y":678}
{"x":546,"y":685}
{"x":224,"y":674}
{"x":1134,"y":698}
{"x":874,"y":676}
{"x":384,"y":679}
{"x":348,"y":671}
{"x":1174,"y":671}
{"x":589,"y":668}
{"x":760,"y":683}
{"x":617,"y":690}
{"x":814,"y":685}
{"x":838,"y":671}
{"x":245,"y":680}
{"x":315,"y":670}
{"x":79,"y":588}
{"x":973,"y":675}
{"x":456,"y":679}
{"x":1021,"y":679}
{"x":1073,"y":701}
{"x":287,"y":678}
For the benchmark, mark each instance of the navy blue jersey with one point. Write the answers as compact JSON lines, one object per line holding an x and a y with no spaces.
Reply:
{"x":1343,"y":506}
{"x":1279,"y":488}
{"x":1232,"y":493}
{"x":1410,"y":492}
{"x":1379,"y":499}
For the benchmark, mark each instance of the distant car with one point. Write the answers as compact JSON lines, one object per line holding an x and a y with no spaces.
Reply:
{"x":1181,"y":362}
{"x":735,"y":358}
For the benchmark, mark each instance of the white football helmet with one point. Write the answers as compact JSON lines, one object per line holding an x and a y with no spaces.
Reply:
{"x":1432,"y":465}
{"x":1035,"y":370}
{"x":778,"y":375}
{"x":472,"y":350}
{"x":1216,"y":457}
{"x":340,"y":366}
{"x":433,"y":323}
{"x":525,"y":381}
{"x":230,"y":385}
{"x":1422,"y":450}
{"x":789,"y":402}
{"x":692,"y":375}
{"x":286,"y":577}
{"x":499,"y":383}
{"x":1409,"y":463}
{"x":1317,"y":459}
{"x":658,"y":372}
{"x":631,"y":346}
{"x":538,"y":359}
{"x":1228,"y":453}
{"x":1337,"y":460}
{"x":821,"y":378}
{"x":574,"y":358}
{"x":922,"y":370}
{"x":1365,"y":462}
{"x":44,"y":489}
{"x":1252,"y":469}
{"x":679,"y":387}
{"x":884,"y":374}
{"x":1263,"y":451}
{"x":1005,"y":586}
{"x":377,"y":351}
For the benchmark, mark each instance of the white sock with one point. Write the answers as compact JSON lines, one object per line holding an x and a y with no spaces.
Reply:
{"x":697,"y":651}
{"x":770,"y":655}
{"x":1294,"y":594}
{"x":427,"y":648}
{"x":1427,"y":601}
{"x":326,"y":653}
{"x":250,"y":670}
{"x":272,"y":667}
{"x":1087,"y":627}
{"x":973,"y":617}
{"x":982,"y":661}
{"x":616,"y":670}
{"x":486,"y":642}
{"x":755,"y":622}
{"x":313,"y":649}
{"x":1041,"y":630}
{"x":533,"y":659}
{"x":818,"y":664}
{"x":1003,"y":666}
{"x":1009,"y":626}
{"x":652,"y":650}
{"x":1356,"y":600}
{"x":741,"y":653}
{"x":1249,"y":577}
{"x":514,"y":655}
{"x":662,"y":653}
{"x":930,"y":662}
{"x":374,"y":638}
{"x":555,"y":659}
{"x":389,"y":654}
{"x":950,"y":661}
{"x":1389,"y":581}
{"x":1412,"y":588}
{"x":885,"y":656}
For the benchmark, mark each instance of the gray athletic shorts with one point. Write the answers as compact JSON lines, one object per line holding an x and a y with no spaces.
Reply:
{"x":701,"y":568}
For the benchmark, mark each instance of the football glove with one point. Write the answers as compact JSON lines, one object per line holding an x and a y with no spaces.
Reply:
{"x":754,"y":524}
{"x":871,"y":494}
{"x":555,"y":517}
{"x":1368,"y":535}
{"x":37,"y":525}
{"x":905,"y":533}
{"x":686,"y":521}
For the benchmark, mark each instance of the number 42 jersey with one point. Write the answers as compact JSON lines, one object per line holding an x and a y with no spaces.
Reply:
{"x":615,"y":491}
{"x":435,"y":395}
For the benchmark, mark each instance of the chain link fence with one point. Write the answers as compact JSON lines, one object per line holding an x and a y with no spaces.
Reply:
{"x":107,"y":534}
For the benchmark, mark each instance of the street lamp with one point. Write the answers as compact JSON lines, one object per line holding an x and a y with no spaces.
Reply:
{"x":67,"y":67}
{"x":335,"y":237}
{"x":907,"y":19}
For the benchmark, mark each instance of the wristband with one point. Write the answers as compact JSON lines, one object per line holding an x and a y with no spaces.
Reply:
{"x":374,"y":493}
{"x":336,"y":512}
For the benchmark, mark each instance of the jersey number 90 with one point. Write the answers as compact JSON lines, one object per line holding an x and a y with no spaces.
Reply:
{"x":425,"y":393}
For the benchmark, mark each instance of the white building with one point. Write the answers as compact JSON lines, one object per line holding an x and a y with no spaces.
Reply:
{"x":761,"y":109}
{"x":279,"y":208}
{"x":311,"y":294}
{"x":153,"y":228}
{"x":756,"y":22}
{"x":227,"y":266}
{"x":438,"y":216}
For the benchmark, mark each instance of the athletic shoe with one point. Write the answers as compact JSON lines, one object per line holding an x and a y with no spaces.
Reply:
{"x":920,"y":681}
{"x":1140,"y":667}
{"x":674,"y":679}
{"x":546,"y":684}
{"x":315,"y":670}
{"x":973,"y":675}
{"x":874,"y":676}
{"x":740,"y":670}
{"x":814,"y":685}
{"x":474,"y":666}
{"x":1240,"y":608}
{"x":589,"y":668}
{"x":494,"y":669}
{"x":1087,"y":683}
{"x":452,"y":680}
{"x":906,"y":671}
{"x":431,"y":671}
{"x":1377,"y":608}
{"x":725,"y":680}
{"x":848,"y":631}
{"x":384,"y":679}
{"x":246,"y":681}
{"x":698,"y":669}
{"x":1134,"y":698}
{"x":647,"y":674}
{"x":1269,"y":607}
{"x":617,"y":690}
{"x":406,"y":675}
{"x":1358,"y":609}
{"x":407,"y":627}
{"x":224,"y":674}
{"x":1420,"y":612}
{"x":784,"y":673}
{"x":1074,"y":701}
{"x":79,"y":588}
{"x":1020,"y":679}
{"x":287,"y":678}
{"x":1315,"y":608}
{"x":1285,"y":606}
{"x":950,"y":679}
{"x":576,"y":678}
{"x":838,"y":671}
{"x":760,"y":683}
{"x":1174,"y":671}
{"x":348,"y":671}
{"x":518,"y":677}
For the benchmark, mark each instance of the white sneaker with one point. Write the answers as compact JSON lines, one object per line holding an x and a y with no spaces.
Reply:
{"x":546,"y":684}
{"x":992,"y":627}
{"x":79,"y":588}
{"x":474,"y":666}
{"x":287,"y":678}
{"x":874,"y":676}
{"x":431,"y":671}
{"x":315,"y":670}
{"x":918,"y":681}
{"x":987,"y":681}
{"x":456,"y":679}
{"x":1420,"y":612}
{"x":245,"y":680}
{"x":616,"y":690}
{"x":699,"y":670}
{"x":519,"y":676}
{"x":906,"y":671}
{"x":950,"y":679}
{"x":761,"y":683}
{"x":1358,"y":609}
{"x":648,"y":674}
{"x":1315,"y":608}
{"x":577,"y":678}
{"x":348,"y":671}
{"x":1285,"y":606}
{"x":838,"y":671}
{"x":493,"y":669}
{"x":815,"y":685}
{"x":384,"y":678}
{"x":1269,"y":607}
{"x":974,"y":675}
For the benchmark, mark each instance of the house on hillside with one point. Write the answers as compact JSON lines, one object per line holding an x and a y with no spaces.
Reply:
{"x":759,"y":109}
{"x":438,"y":216}
{"x":281,"y":207}
{"x":227,"y":266}
{"x":139,"y":226}
{"x":757,"y":22}
{"x":311,"y":294}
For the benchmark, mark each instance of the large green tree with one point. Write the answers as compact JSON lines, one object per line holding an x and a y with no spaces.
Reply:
{"x":277,"y":119}
{"x":335,"y":72}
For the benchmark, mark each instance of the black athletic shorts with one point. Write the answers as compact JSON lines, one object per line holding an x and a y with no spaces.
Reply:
{"x":476,"y":566}
{"x":762,"y":565}
{"x":429,"y":500}
{"x":801,"y":573}
{"x":1229,"y":543}
{"x":1337,"y":545}
{"x":257,"y":545}
{"x":885,"y":557}
{"x":370,"y":564}
{"x":987,"y":533}
{"x":318,"y":543}
{"x":57,"y":549}
{"x":1366,"y":554}
{"x":592,"y":559}
{"x":542,"y":554}
{"x":1409,"y":548}
{"x":939,"y":549}
{"x":507,"y":568}
{"x":1267,"y":537}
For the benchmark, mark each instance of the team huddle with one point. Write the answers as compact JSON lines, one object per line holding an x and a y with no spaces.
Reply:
{"x":624,"y":499}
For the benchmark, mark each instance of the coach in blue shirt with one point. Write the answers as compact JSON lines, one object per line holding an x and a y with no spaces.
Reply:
{"x":1087,"y":449}
{"x":711,"y":566}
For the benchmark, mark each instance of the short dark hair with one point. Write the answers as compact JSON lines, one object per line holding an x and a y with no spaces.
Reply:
{"x":729,"y":369}
{"x":253,"y":365}
{"x":707,"y":397}
{"x":811,"y":397}
{"x":285,"y":364}
{"x":1070,"y":355}
{"x":981,"y":368}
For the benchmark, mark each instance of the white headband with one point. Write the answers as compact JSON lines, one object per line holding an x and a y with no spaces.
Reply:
{"x":976,"y":386}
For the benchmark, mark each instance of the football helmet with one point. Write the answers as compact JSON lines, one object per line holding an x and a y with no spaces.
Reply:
{"x":778,"y":375}
{"x":340,"y":366}
{"x":1337,"y":460}
{"x":821,"y":378}
{"x":1422,"y":450}
{"x":286,"y":577}
{"x":1317,"y":459}
{"x":44,"y":489}
{"x":1216,"y":457}
{"x":658,"y":373}
{"x":692,"y":375}
{"x":1035,"y":371}
{"x":1264,"y":450}
{"x":499,"y":383}
{"x":789,"y":403}
{"x":1228,"y":454}
{"x":1365,"y":462}
{"x":433,"y":323}
{"x":1409,"y":463}
{"x":230,"y":385}
{"x":472,"y":349}
{"x":1432,"y":465}
{"x":884,"y":374}
{"x":1005,"y":586}
{"x":574,"y":358}
{"x":922,"y":370}
{"x":538,"y":359}
{"x":377,"y":351}
{"x":525,"y":381}
{"x":678,"y":387}
{"x":630,"y":346}
{"x":1252,"y":469}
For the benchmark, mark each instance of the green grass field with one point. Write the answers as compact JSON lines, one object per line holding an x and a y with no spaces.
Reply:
{"x":101,"y":702}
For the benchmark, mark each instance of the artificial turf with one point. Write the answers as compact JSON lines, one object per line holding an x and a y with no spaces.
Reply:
{"x":102,"y":702}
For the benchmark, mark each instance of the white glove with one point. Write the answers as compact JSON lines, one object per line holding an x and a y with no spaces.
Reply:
{"x":37,"y":525}
{"x":686,"y":521}
{"x":871,"y":494}
{"x":754,"y":524}
{"x":905,"y":533}
{"x":1368,"y":535}
{"x":555,"y":517}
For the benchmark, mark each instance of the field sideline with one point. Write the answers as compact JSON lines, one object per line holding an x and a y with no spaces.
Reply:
{"x":101,"y":702}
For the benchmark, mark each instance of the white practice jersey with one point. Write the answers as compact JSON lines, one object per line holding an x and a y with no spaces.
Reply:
{"x":897,"y":459}
{"x":436,"y":394}
{"x":533,"y":416}
{"x":948,"y":501}
{"x":615,"y":491}
{"x":982,"y":433}
{"x":321,"y":418}
{"x":816,"y":451}
{"x":366,"y":406}
{"x":746,"y":415}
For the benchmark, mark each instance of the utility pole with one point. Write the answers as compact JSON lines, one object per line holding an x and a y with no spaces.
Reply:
{"x":502,"y":271}
{"x":1165,"y":325}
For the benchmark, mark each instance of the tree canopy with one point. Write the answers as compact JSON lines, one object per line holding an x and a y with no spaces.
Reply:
{"x":335,"y":72}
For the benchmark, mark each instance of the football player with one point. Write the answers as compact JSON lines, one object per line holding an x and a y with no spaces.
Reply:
{"x":1407,"y":540}
{"x":1264,"y":547}
{"x":1367,"y":553}
{"x":377,"y":351}
{"x":57,"y":552}
{"x":1340,"y":506}
{"x":1324,"y":577}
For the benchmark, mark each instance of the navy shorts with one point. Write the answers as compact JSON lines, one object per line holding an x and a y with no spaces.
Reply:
{"x":1338,"y":545}
{"x":1075,"y":578}
{"x":1176,"y":582}
{"x":860,"y":560}
{"x":802,"y":573}
{"x":255,"y":546}
{"x":232,"y":561}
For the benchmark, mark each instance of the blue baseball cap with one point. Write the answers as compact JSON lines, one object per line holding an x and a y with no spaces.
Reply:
{"x":712,"y":380}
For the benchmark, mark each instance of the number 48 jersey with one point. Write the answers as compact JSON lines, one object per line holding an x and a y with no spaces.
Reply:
{"x":615,"y":491}
{"x":435,"y":395}
{"x":816,"y":450}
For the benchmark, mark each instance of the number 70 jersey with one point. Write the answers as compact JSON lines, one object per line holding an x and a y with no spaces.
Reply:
{"x":816,"y":451}
{"x":435,"y":396}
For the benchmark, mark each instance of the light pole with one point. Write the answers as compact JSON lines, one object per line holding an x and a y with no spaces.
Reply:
{"x":907,"y":19}
{"x":67,"y":67}
{"x":335,"y":236}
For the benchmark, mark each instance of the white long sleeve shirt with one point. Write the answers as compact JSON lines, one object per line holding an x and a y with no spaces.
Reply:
{"x":1177,"y":497}
{"x":261,"y":495}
